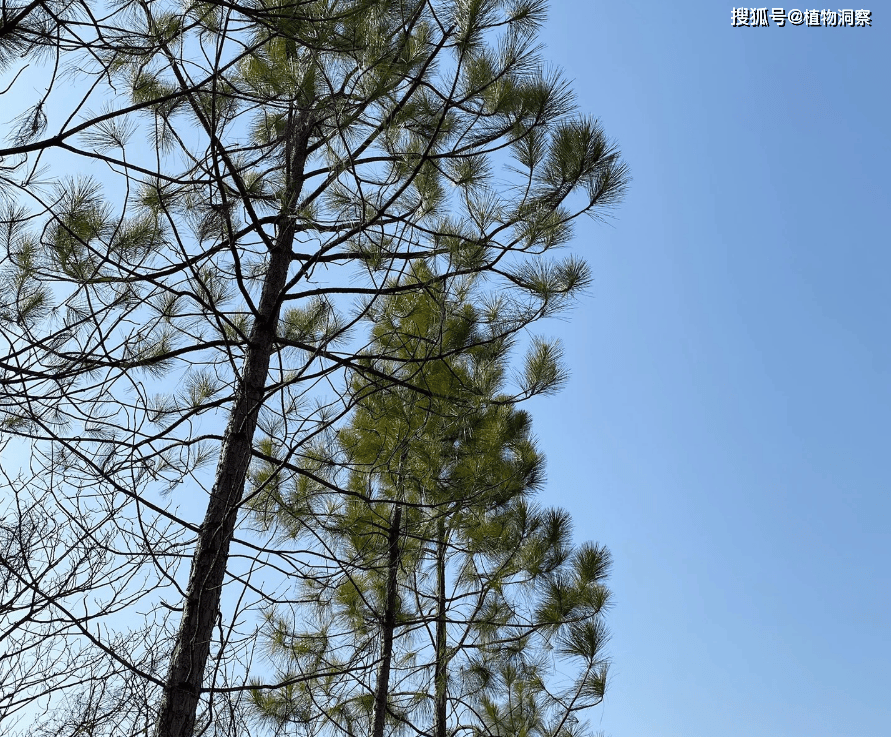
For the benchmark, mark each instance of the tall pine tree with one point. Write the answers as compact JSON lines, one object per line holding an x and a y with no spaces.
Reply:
{"x":202,"y":206}
{"x":442,"y":593}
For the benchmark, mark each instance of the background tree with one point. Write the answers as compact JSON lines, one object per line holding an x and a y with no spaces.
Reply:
{"x":258,"y":178}
{"x":441,"y":590}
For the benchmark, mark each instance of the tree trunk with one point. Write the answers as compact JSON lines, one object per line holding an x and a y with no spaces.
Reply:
{"x":440,"y":676}
{"x":382,"y":687}
{"x":182,"y":688}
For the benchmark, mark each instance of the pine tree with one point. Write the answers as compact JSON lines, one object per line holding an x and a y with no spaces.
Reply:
{"x":192,"y":248}
{"x":442,"y":591}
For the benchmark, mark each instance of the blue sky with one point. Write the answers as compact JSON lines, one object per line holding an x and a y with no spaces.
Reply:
{"x":726,"y":429}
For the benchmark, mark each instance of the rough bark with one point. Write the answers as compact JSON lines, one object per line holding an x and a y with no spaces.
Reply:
{"x":183,"y":685}
{"x":440,"y":676}
{"x":389,"y":626}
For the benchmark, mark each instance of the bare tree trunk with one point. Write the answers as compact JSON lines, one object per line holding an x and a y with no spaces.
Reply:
{"x":182,"y":689}
{"x":440,"y":677}
{"x":389,"y":626}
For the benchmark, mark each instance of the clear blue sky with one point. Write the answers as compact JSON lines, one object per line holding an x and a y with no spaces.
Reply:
{"x":726,"y":429}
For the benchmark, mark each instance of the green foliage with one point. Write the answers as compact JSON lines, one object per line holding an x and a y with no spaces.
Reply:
{"x":150,"y":89}
{"x":316,"y":323}
{"x":317,"y":238}
{"x":459,"y":460}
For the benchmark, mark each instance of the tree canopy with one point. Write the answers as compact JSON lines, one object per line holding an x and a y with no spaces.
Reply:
{"x":439,"y":585}
{"x":210,"y":212}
